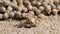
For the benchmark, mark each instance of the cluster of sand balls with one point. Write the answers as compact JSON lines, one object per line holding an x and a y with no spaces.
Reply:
{"x":30,"y":10}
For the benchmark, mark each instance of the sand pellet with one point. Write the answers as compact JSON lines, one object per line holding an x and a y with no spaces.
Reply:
{"x":29,"y":11}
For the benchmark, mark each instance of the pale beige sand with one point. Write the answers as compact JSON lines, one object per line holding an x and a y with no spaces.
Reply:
{"x":45,"y":27}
